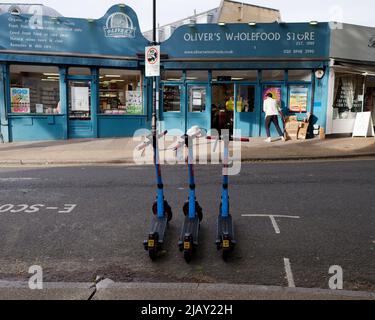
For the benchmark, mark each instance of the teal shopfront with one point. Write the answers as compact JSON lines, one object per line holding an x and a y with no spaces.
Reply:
{"x":217,"y":76}
{"x":64,"y":78}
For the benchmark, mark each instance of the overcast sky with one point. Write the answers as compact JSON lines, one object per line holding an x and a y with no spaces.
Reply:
{"x":357,"y":12}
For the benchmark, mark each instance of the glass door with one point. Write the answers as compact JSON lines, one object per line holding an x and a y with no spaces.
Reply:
{"x":79,"y":103}
{"x":278,"y":93}
{"x":247,"y":109}
{"x":173,"y":113}
{"x":222,"y":109}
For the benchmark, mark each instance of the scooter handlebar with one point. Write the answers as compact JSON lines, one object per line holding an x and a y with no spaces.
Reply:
{"x":145,"y":144}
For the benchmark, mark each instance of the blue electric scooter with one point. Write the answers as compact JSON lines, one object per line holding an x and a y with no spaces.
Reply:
{"x":225,"y":238}
{"x":189,"y":238}
{"x":162,"y":212}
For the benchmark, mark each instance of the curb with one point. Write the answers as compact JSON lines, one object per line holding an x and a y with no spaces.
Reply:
{"x":131,"y":161}
{"x":106,"y":289}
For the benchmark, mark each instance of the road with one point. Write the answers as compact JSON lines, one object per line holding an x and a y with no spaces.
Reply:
{"x":80,"y":222}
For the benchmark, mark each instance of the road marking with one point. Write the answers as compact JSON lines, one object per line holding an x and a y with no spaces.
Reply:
{"x":275,"y":226}
{"x":52,"y":208}
{"x":16,"y":179}
{"x":272,"y":218}
{"x":289,"y":273}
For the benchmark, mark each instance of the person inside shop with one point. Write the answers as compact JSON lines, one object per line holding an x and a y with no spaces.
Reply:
{"x":272,"y":110}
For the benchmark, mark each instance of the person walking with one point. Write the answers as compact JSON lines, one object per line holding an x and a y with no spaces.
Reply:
{"x":272,"y":110}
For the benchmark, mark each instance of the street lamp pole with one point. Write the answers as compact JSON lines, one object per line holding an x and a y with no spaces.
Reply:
{"x":154,"y":116}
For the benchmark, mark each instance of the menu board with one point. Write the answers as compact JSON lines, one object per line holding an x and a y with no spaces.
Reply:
{"x":134,"y":102}
{"x":20,"y":100}
{"x":298,"y":99}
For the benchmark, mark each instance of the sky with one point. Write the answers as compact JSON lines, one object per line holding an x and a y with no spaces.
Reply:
{"x":357,"y":12}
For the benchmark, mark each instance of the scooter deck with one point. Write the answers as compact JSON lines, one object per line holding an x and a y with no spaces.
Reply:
{"x":225,"y":227}
{"x":190,"y":227}
{"x":159,"y":226}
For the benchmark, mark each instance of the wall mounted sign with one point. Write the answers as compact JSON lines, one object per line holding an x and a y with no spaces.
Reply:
{"x":116,"y":34}
{"x":265,"y":40}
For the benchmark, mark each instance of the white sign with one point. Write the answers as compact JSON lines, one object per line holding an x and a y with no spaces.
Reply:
{"x":80,"y":99}
{"x":152,"y":61}
{"x":363,"y":127}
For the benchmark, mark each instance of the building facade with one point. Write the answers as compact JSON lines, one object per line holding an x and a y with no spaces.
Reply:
{"x":227,"y":12}
{"x":64,"y":78}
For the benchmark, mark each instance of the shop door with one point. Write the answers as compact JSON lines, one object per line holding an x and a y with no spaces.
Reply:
{"x":80,"y":109}
{"x":173,"y":115}
{"x":198,"y":106}
{"x":247,"y":110}
{"x":279,"y":93}
{"x":223,"y":104}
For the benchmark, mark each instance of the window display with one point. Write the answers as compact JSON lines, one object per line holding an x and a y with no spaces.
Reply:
{"x":34,"y":89}
{"x":349,"y":96}
{"x":298,"y":98}
{"x":121,"y":92}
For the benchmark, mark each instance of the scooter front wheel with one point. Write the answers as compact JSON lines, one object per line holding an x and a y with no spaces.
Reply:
{"x":167,"y":210}
{"x":198,"y":208}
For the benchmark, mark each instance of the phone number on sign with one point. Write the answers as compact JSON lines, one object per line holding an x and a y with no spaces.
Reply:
{"x":25,"y":208}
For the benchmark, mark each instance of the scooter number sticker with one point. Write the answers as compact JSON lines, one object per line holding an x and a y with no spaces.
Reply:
{"x":226,"y":244}
{"x":151,"y":243}
{"x":187,"y":245}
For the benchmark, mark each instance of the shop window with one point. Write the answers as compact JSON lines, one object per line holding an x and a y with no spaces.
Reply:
{"x":197,"y":99}
{"x":34,"y":89}
{"x":172,"y":75}
{"x":121,"y":92}
{"x":246,"y":98}
{"x":79,"y":71}
{"x":197,"y":76}
{"x":299,"y":75}
{"x":273,"y":75}
{"x":235,"y":75}
{"x":298,"y":99}
{"x":171,"y":99}
{"x":348,"y":96}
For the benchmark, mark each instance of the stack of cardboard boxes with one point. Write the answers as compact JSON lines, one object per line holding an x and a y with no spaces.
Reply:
{"x":296,"y":130}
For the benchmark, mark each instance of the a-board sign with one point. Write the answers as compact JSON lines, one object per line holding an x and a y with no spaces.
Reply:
{"x":152,"y":61}
{"x":363,"y":127}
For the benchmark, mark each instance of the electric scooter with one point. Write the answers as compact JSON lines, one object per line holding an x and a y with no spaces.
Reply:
{"x":162,"y":212}
{"x":189,"y":238}
{"x":225,"y":238}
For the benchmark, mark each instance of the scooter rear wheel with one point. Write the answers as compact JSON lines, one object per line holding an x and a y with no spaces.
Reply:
{"x":188,"y":256}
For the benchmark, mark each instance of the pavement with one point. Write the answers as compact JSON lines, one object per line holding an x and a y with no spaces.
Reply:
{"x":122,"y":150}
{"x":109,"y":290}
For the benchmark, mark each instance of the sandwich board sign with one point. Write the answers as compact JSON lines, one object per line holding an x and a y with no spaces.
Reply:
{"x":152,"y":61}
{"x":363,"y":127}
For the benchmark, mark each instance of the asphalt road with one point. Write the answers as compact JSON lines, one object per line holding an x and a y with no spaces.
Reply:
{"x":102,"y":234}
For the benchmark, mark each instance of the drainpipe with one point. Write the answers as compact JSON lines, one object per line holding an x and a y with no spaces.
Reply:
{"x":364,"y":90}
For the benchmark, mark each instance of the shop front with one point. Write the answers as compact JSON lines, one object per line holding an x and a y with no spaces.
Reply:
{"x":65,"y":78}
{"x":352,"y":77}
{"x":223,"y":81}
{"x":72,"y":78}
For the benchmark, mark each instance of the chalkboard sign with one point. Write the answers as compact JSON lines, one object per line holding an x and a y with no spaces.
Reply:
{"x":363,"y":126}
